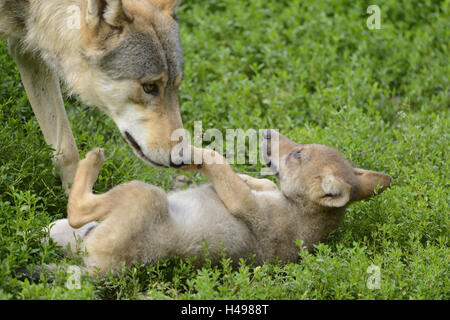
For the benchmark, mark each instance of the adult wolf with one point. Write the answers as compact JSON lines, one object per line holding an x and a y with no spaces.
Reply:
{"x":124,"y":56}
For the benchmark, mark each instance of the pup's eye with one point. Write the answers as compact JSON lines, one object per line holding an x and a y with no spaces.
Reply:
{"x":298,"y":155}
{"x":150,"y":88}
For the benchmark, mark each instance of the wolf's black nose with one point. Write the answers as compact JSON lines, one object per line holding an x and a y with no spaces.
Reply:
{"x":176,"y":164}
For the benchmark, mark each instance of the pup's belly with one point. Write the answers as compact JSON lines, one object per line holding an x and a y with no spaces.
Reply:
{"x":201,"y":217}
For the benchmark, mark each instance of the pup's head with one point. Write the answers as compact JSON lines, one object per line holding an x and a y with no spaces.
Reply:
{"x":320,"y":174}
{"x":135,"y":67}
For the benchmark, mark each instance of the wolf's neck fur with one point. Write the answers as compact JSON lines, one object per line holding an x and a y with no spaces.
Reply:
{"x":48,"y":33}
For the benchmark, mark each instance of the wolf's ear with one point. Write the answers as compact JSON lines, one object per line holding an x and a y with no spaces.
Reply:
{"x":332,"y":192}
{"x":168,"y":6}
{"x":111,"y":11}
{"x":368,"y":181}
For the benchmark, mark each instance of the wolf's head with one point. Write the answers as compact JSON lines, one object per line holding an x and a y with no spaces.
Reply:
{"x":133,"y":71}
{"x":321,"y":174}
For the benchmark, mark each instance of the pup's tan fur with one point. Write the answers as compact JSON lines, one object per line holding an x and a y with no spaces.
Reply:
{"x":235,"y":212}
{"x":120,"y":45}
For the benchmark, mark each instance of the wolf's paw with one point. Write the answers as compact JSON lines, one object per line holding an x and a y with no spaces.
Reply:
{"x":96,"y":157}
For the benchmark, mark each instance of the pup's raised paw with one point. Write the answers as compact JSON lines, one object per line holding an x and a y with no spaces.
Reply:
{"x":96,"y":157}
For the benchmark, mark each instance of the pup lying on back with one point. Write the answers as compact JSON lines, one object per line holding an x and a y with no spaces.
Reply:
{"x":236,"y":213}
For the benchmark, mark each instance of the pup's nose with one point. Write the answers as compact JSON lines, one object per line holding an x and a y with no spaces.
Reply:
{"x":267,"y":134}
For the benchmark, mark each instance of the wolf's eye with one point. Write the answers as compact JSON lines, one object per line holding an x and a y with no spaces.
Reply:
{"x":150,"y":88}
{"x":298,"y":155}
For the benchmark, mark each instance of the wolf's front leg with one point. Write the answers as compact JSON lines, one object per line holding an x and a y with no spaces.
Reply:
{"x":43,"y":91}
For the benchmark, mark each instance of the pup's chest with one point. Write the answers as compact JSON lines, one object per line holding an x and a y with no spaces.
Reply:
{"x":197,"y":205}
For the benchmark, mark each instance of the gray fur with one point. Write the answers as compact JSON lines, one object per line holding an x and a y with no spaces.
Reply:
{"x":173,"y":52}
{"x":14,"y":15}
{"x":136,"y":57}
{"x":140,"y":55}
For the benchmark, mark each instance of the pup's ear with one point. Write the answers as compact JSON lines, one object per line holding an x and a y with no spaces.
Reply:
{"x":168,"y":6}
{"x":368,"y":181}
{"x":333,"y":192}
{"x":110,"y":11}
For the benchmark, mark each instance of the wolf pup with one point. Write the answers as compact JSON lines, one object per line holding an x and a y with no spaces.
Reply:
{"x":236,"y":213}
{"x":123,"y":56}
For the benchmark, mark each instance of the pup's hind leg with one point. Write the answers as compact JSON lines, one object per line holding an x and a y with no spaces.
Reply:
{"x":135,"y":224}
{"x":138,"y":229}
{"x":84,"y":206}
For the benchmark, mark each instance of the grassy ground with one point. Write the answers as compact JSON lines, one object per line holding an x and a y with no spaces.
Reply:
{"x":313,"y":70}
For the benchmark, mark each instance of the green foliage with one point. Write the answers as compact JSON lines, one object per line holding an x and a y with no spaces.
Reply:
{"x":311,"y":69}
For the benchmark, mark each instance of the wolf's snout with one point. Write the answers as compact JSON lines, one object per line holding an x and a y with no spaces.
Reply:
{"x":138,"y":150}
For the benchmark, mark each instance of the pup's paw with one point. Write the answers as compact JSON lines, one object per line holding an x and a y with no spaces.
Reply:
{"x":268,"y":185}
{"x":244,"y":177}
{"x":258,"y":184}
{"x":196,"y":160}
{"x":96,"y":157}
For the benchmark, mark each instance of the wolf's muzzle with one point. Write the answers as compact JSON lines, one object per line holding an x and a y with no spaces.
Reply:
{"x":138,"y":149}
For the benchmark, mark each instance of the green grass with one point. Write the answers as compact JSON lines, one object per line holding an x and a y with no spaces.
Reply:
{"x":311,"y":69}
